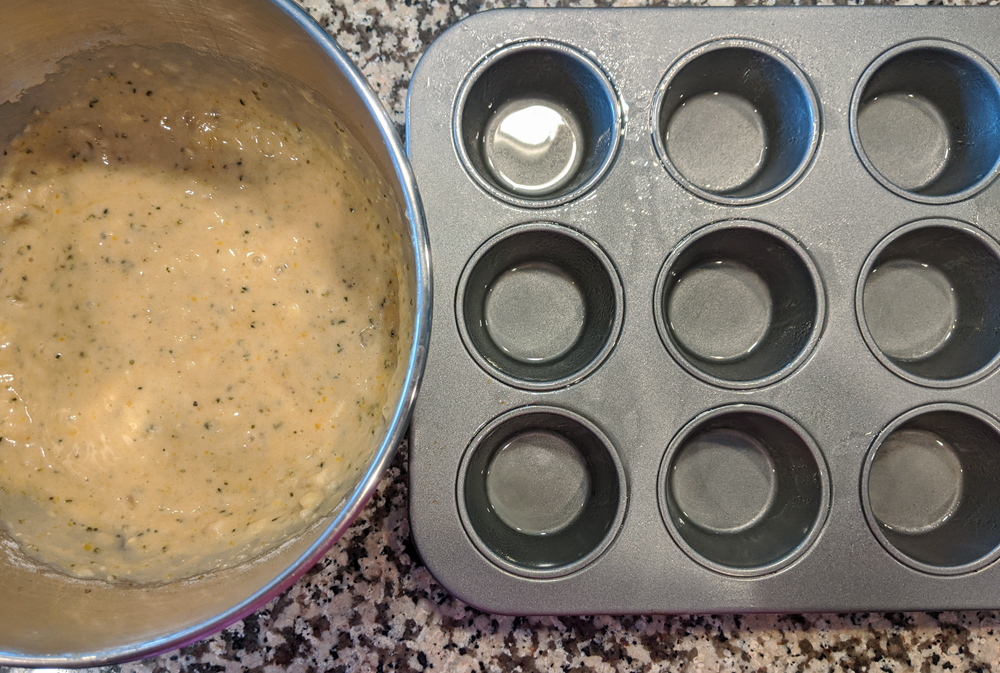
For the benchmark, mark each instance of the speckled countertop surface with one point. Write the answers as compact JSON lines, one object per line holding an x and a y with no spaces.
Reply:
{"x":371,"y":604}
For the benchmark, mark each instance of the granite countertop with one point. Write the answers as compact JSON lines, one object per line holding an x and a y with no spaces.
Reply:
{"x":372,"y":605}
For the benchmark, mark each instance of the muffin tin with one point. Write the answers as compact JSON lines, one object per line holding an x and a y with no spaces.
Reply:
{"x":718,"y":310}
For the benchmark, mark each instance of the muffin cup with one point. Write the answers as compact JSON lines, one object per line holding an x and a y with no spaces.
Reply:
{"x":925,"y":119}
{"x":541,"y":491}
{"x":743,"y":490}
{"x":735,"y":122}
{"x":928,"y":489}
{"x":537,"y":124}
{"x":539,"y":306}
{"x":739,"y":304}
{"x":928,"y":302}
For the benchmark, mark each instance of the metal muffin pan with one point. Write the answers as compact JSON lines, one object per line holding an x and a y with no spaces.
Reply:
{"x":719,"y":310}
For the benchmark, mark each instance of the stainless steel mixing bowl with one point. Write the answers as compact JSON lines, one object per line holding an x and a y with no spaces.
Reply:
{"x":49,"y":621}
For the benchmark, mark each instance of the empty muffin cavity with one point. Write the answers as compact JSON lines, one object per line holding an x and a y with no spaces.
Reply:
{"x":739,"y":304}
{"x":537,"y":123}
{"x":541,"y":491}
{"x":925,"y":119}
{"x":735,"y":121}
{"x":743,"y":490}
{"x":539,"y":306}
{"x":928,"y":302}
{"x":928,"y":489}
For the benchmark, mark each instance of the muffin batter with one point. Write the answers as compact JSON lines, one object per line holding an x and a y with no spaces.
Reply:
{"x":199,"y":317}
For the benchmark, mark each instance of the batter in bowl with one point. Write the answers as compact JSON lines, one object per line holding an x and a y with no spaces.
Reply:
{"x":199,"y":317}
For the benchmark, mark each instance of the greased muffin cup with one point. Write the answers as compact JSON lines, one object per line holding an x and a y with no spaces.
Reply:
{"x":739,"y":304}
{"x":924,"y":121}
{"x":539,"y":306}
{"x":929,"y":488}
{"x":537,"y":123}
{"x":743,"y":490}
{"x":735,"y":121}
{"x":928,"y":302}
{"x":541,"y":491}
{"x":724,"y":326}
